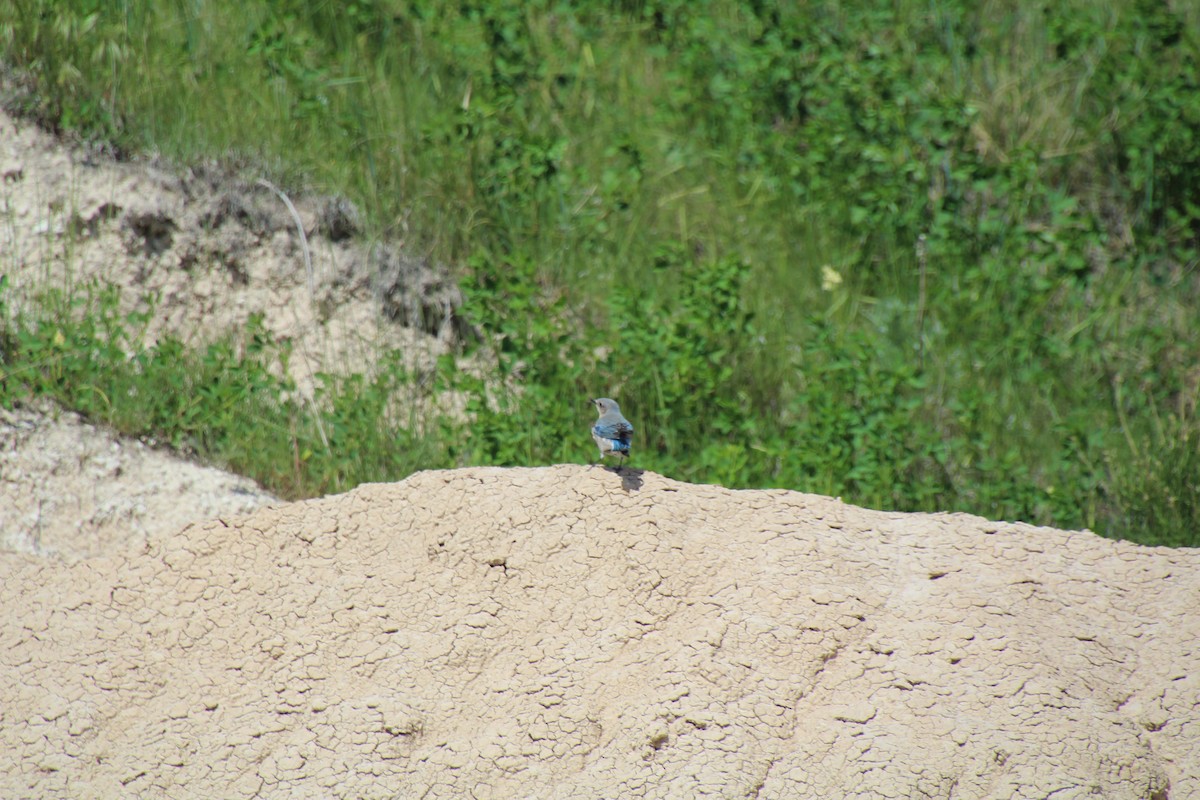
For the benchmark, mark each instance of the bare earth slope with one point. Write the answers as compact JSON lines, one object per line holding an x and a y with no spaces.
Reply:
{"x":71,"y":489}
{"x":214,"y":249}
{"x":572,"y":632}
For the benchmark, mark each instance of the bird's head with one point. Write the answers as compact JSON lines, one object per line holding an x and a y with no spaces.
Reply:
{"x":605,"y":405}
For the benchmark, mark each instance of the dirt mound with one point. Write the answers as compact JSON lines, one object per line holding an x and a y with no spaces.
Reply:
{"x":572,"y":632}
{"x":71,"y":489}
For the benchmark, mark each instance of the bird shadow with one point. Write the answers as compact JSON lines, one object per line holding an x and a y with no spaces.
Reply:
{"x":631,"y":479}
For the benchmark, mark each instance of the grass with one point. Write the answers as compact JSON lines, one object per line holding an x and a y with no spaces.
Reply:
{"x":672,"y":184}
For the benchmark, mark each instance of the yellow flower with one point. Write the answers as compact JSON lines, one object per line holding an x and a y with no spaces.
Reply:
{"x":830,"y":278}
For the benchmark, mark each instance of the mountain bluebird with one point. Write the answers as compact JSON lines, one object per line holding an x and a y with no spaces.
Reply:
{"x":612,"y":431}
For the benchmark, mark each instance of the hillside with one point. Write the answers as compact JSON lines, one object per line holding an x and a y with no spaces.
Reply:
{"x":197,"y":257}
{"x":917,"y":256}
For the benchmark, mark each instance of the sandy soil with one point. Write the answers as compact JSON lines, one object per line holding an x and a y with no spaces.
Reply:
{"x":72,"y":490}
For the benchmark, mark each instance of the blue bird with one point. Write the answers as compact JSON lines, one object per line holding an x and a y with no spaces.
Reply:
{"x":612,"y":432}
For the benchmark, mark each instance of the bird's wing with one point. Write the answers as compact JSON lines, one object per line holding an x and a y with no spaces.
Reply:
{"x":618,"y":429}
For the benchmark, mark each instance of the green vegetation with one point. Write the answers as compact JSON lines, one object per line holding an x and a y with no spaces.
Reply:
{"x":225,"y":403}
{"x":923,"y":255}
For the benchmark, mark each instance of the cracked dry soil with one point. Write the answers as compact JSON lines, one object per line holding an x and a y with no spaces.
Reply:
{"x":559,"y":632}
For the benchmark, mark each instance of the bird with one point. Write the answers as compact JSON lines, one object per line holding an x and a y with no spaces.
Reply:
{"x":612,"y":432}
